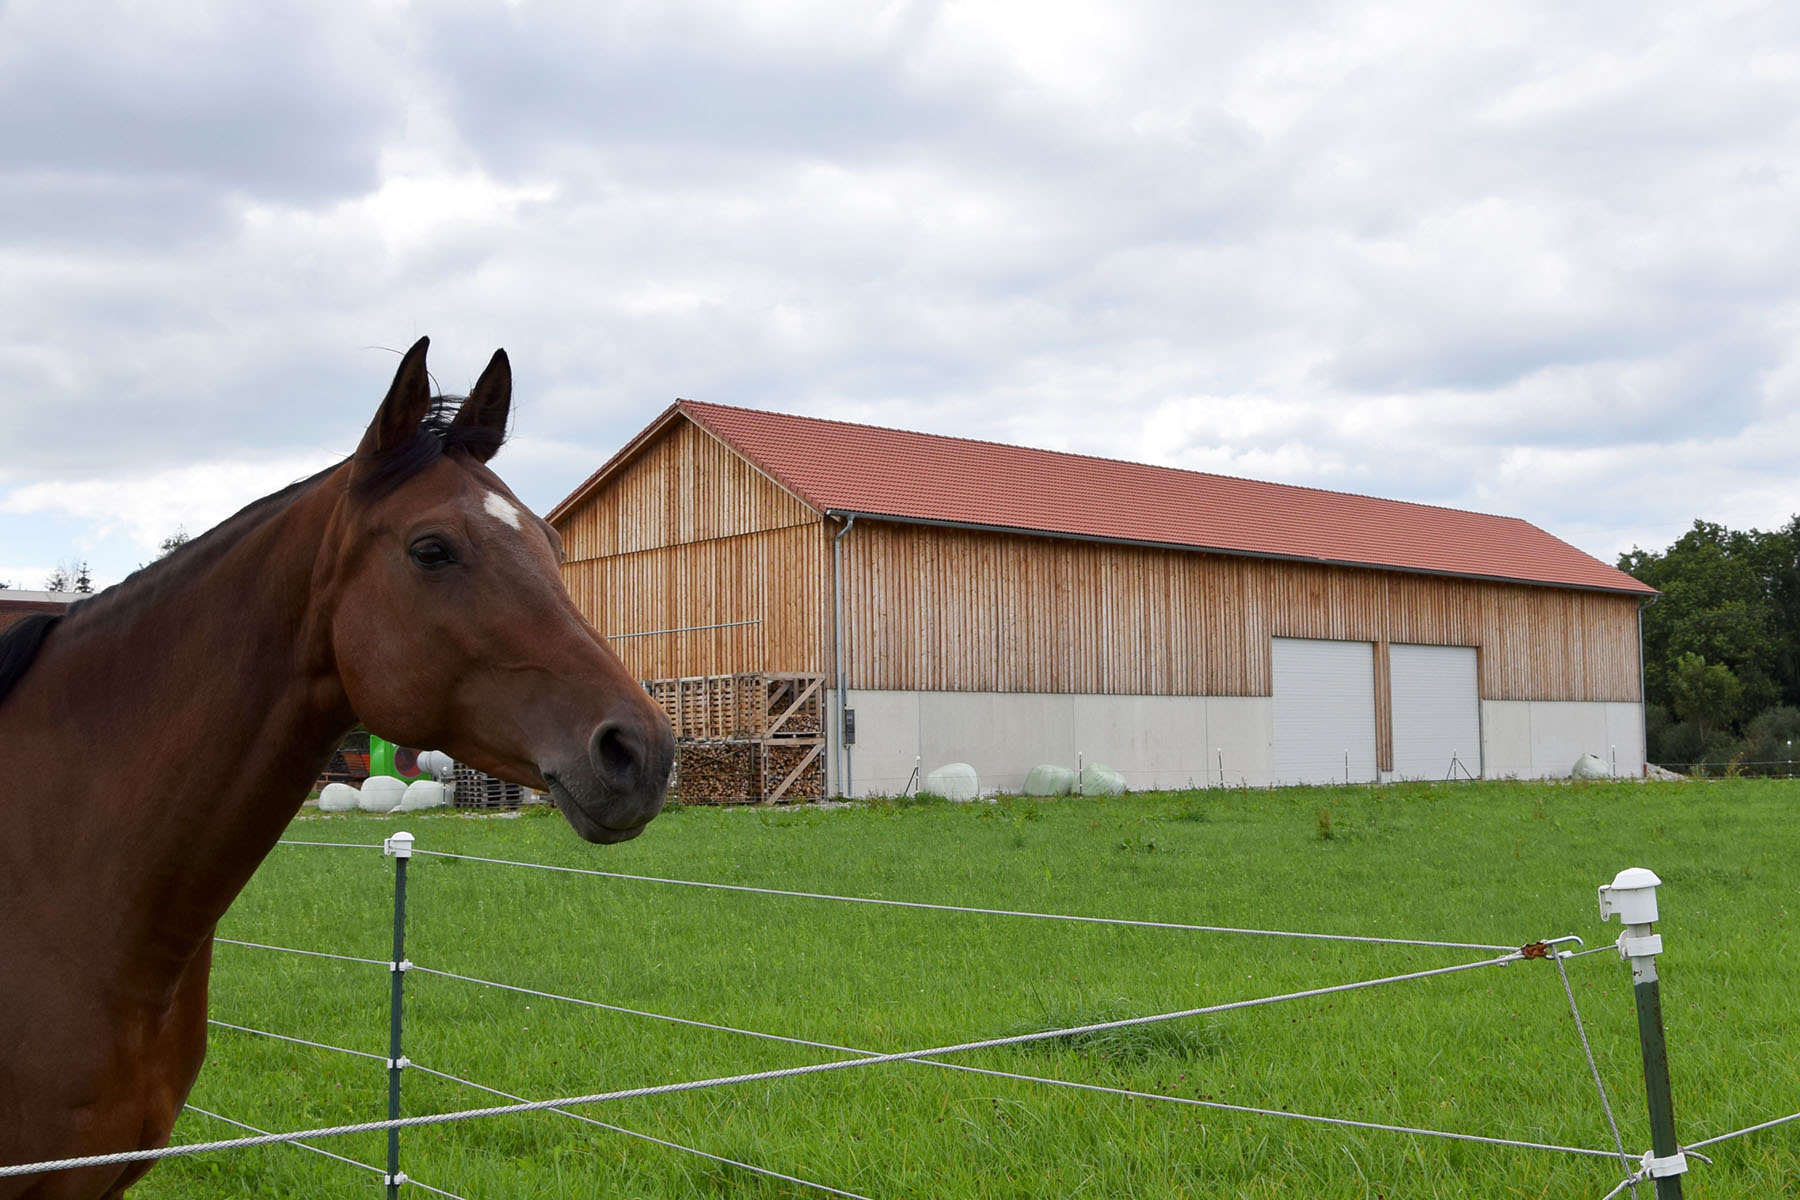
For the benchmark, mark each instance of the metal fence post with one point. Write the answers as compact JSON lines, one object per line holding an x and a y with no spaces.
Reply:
{"x":1632,"y":895}
{"x":400,"y":846}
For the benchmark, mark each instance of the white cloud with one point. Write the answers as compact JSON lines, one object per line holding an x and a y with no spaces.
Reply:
{"x":149,"y":507}
{"x":1535,"y":259}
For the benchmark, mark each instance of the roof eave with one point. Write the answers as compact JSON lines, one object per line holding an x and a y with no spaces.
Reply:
{"x":626,"y":453}
{"x":697,"y":415}
{"x":649,"y":434}
{"x":1646,"y":591}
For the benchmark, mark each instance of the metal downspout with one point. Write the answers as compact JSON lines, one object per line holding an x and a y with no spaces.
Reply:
{"x":837,"y":650}
{"x":1643,"y":692}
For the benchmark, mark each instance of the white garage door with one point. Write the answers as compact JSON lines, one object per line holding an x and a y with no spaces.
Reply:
{"x":1437,"y":711}
{"x":1324,"y":711}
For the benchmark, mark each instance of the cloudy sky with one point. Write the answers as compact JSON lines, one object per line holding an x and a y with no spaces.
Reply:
{"x":1538,"y":259}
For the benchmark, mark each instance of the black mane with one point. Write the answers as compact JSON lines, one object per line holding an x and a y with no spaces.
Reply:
{"x":19,"y":646}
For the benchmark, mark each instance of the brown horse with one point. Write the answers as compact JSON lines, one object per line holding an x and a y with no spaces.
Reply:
{"x":407,"y":589}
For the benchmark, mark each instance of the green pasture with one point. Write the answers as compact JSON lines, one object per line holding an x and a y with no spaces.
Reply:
{"x":1491,"y":1052}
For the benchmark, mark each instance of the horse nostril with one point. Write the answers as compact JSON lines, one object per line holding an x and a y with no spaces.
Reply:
{"x":615,"y":753}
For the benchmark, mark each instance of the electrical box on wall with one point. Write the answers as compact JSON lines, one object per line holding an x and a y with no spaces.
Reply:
{"x":849,"y":727}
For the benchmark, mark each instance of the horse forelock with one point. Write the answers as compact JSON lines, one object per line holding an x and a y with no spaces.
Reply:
{"x":380,"y":473}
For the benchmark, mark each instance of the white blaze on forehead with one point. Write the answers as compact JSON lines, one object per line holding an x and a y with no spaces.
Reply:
{"x":499,"y":506}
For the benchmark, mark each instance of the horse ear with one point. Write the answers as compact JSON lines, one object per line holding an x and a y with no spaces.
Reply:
{"x":487,"y":406}
{"x":408,"y":400}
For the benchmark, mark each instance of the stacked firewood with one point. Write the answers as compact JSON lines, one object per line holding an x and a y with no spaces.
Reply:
{"x":746,"y":738}
{"x":716,"y":772}
{"x":781,"y":760}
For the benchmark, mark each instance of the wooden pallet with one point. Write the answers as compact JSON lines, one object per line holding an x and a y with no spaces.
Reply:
{"x":794,"y":705}
{"x":475,"y":789}
{"x":763,"y":705}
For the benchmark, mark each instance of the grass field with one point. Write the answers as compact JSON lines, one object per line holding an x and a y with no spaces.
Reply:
{"x":1490,"y":1052}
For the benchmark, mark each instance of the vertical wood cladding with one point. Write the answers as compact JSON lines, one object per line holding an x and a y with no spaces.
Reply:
{"x":774,"y":578}
{"x":933,"y":609}
{"x":685,"y":487}
{"x":690,"y":534}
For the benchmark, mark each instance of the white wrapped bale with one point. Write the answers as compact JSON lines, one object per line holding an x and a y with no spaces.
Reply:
{"x":953,"y":781}
{"x":423,"y":793}
{"x":1098,"y":779}
{"x":1589,"y":766}
{"x":1048,"y":779}
{"x":380,"y":794}
{"x":337,"y":797}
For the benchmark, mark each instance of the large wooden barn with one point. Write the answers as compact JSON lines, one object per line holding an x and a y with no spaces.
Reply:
{"x":971,"y":602}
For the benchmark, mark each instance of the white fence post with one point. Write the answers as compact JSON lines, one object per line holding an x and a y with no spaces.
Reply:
{"x":400,"y":846}
{"x":1632,"y":896}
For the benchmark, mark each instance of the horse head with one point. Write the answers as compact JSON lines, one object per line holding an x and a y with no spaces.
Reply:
{"x":450,"y":626}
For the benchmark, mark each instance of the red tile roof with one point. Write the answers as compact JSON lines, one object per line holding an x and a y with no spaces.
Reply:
{"x":835,"y":466}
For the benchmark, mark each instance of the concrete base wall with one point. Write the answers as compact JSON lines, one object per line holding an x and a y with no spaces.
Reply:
{"x":1169,"y":741}
{"x":1539,"y":739}
{"x":1154,"y":741}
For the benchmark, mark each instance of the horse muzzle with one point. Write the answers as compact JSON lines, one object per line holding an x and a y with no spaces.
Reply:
{"x":622,"y":783}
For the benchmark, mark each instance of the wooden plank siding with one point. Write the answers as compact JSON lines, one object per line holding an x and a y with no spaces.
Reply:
{"x":938,"y":609}
{"x":775,"y":579}
{"x":688,"y":533}
{"x":686,"y":486}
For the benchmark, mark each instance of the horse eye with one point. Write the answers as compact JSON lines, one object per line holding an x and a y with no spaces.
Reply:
{"x":430,"y":553}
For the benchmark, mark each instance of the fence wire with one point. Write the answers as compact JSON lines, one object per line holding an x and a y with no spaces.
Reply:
{"x":282,"y":1037}
{"x":748,"y":1077}
{"x":1593,"y":1067}
{"x":1630,"y":1181}
{"x":1738,"y":1133}
{"x":410,"y":1181}
{"x":421,"y":1068}
{"x":1136,"y":1095}
{"x":195,"y":1108}
{"x":379,"y":962}
{"x":929,"y":1057}
{"x":958,"y":908}
{"x":575,"y":1116}
{"x":1012,"y":1075}
{"x":1633,"y":1178}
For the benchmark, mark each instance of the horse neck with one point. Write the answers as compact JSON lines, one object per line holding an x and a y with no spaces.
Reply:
{"x":210,"y":702}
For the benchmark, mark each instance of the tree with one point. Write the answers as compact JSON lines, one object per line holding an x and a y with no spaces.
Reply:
{"x":173,"y":542}
{"x":70,"y":578}
{"x":1771,"y":737}
{"x":1707,"y":694}
{"x":1777,"y":562}
{"x":1717,"y":602}
{"x":1731,"y":601}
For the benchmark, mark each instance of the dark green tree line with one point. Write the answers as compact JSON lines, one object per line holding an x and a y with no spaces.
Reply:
{"x":1722,"y":645}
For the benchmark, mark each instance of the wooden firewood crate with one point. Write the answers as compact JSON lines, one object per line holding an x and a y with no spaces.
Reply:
{"x":764,"y":705}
